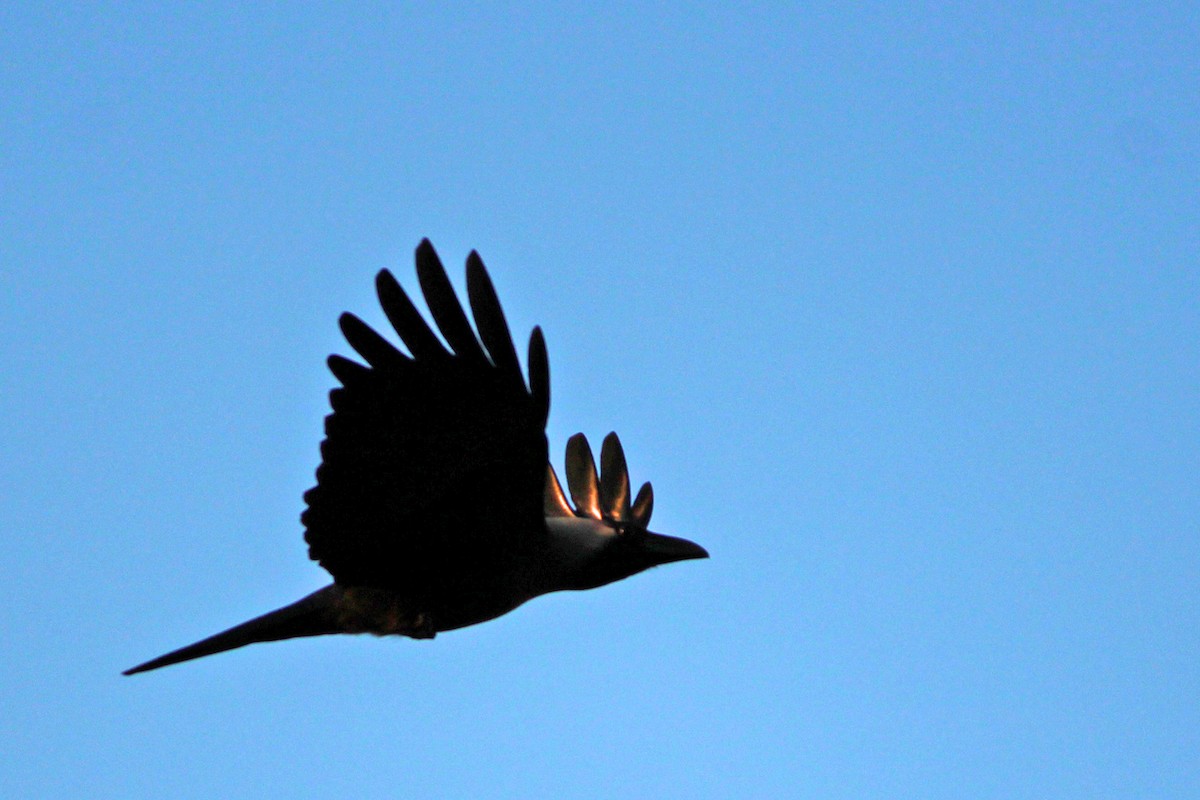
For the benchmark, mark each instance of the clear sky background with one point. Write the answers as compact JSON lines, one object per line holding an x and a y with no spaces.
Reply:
{"x":898,"y":307}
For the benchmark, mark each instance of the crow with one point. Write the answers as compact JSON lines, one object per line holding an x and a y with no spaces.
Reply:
{"x":436,"y":506}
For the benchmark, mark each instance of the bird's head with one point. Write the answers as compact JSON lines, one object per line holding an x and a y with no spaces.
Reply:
{"x":604,"y":536}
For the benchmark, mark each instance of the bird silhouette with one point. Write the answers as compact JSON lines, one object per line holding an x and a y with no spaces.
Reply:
{"x":436,"y":506}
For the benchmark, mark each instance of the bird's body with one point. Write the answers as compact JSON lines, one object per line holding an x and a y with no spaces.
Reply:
{"x":435,"y":507}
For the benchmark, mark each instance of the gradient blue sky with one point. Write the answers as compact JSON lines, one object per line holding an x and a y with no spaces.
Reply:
{"x":898,"y":307}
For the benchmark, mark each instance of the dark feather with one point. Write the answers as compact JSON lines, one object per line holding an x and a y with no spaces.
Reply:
{"x":443,"y":305}
{"x":407,"y":321}
{"x":347,"y":371}
{"x":539,"y":373}
{"x":489,"y":317}
{"x":378,"y":352}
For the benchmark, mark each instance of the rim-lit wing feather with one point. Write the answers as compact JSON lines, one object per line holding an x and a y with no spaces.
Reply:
{"x":582,"y":480}
{"x":614,"y":480}
{"x":556,"y":504}
{"x":643,"y":505}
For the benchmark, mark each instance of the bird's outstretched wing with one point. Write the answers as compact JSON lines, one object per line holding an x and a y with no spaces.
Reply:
{"x":434,"y":462}
{"x":601,"y":498}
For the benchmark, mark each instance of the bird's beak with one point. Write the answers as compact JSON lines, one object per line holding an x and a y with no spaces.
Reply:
{"x":664,"y":549}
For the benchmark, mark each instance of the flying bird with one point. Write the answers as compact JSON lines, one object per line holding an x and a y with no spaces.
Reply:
{"x":436,"y":506}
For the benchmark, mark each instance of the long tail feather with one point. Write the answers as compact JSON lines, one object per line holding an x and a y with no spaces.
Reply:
{"x":310,"y":616}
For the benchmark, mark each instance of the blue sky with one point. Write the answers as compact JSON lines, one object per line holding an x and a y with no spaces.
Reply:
{"x":898,"y":308}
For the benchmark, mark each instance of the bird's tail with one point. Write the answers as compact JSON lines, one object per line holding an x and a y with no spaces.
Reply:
{"x":310,"y":616}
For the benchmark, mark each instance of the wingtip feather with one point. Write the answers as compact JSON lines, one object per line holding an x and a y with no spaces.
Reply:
{"x":555,"y":502}
{"x":614,"y":478}
{"x":445,"y":307}
{"x":582,"y":480}
{"x":489,"y":317}
{"x":377,"y":351}
{"x":539,"y":373}
{"x":643,"y":505}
